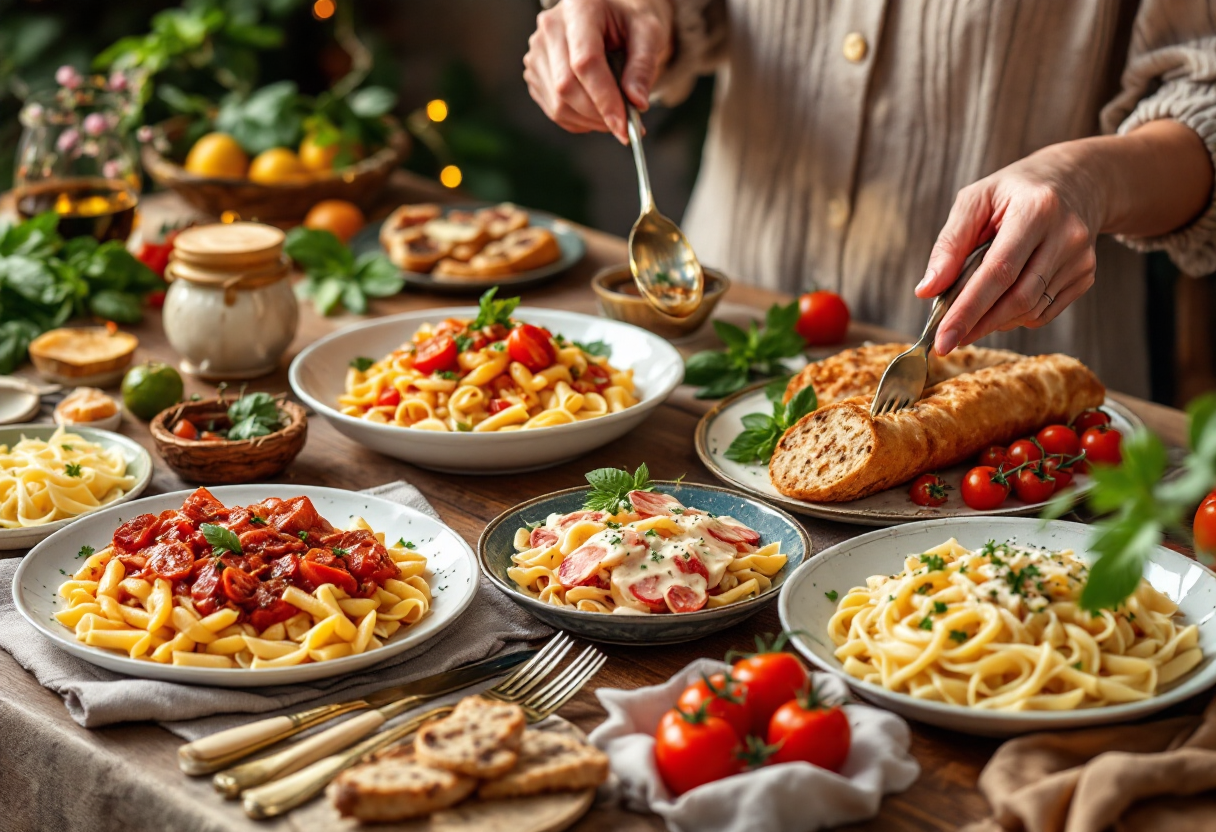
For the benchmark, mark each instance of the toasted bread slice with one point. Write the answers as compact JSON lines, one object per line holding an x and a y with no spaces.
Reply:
{"x":415,"y":251}
{"x":549,"y":762}
{"x":481,"y":738}
{"x":395,"y":787}
{"x":406,"y":217}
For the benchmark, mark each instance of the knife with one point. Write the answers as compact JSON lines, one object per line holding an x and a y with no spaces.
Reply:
{"x":221,"y":749}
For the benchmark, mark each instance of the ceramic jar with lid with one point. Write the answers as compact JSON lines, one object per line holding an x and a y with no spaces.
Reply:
{"x":230,"y":311}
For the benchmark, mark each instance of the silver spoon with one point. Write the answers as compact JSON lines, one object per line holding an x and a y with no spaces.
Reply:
{"x":664,"y":266}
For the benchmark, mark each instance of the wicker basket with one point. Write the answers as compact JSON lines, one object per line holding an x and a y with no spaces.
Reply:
{"x":284,"y":204}
{"x":225,"y":463}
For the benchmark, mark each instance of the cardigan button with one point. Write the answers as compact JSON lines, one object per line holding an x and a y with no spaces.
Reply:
{"x":855,"y":47}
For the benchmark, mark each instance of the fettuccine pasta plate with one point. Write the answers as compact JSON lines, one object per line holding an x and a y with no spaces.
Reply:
{"x":975,"y":625}
{"x":378,"y":580}
{"x":51,"y":476}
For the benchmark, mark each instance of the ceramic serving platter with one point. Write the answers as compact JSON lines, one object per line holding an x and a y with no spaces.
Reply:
{"x":568,"y":239}
{"x":139,"y":465}
{"x":496,"y":547}
{"x":451,"y":573}
{"x":805,"y":607}
{"x":719,"y":427}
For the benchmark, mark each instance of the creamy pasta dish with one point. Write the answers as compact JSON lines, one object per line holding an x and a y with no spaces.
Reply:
{"x":267,"y":585}
{"x":491,"y":373}
{"x":65,"y":476}
{"x":1002,"y":628}
{"x":655,"y":556}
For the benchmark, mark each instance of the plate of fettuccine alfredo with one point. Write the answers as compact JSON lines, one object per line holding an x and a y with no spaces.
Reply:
{"x":975,"y":624}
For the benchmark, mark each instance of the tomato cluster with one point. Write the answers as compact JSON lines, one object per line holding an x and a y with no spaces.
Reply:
{"x":1205,"y":525}
{"x":762,"y":711}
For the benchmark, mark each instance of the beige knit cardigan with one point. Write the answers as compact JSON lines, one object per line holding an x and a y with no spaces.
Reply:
{"x":842,"y":130}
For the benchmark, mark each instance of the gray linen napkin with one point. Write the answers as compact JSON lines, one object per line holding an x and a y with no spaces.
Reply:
{"x":491,"y":625}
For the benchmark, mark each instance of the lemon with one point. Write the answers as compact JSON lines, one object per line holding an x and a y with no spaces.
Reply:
{"x":277,"y":166}
{"x":217,"y":155}
{"x":149,"y":388}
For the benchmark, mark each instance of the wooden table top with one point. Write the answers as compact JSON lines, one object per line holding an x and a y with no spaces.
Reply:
{"x":945,"y":797}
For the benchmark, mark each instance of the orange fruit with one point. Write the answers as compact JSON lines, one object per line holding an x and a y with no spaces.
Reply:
{"x":339,"y":217}
{"x":277,"y":166}
{"x":217,"y":155}
{"x":320,"y":158}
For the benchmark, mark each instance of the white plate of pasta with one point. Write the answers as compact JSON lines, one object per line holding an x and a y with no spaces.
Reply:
{"x":975,"y":625}
{"x":245,"y":586}
{"x":488,"y":389}
{"x":50,"y":476}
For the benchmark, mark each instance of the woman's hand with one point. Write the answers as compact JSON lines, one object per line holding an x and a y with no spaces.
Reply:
{"x":1043,"y":215}
{"x":566,"y":66}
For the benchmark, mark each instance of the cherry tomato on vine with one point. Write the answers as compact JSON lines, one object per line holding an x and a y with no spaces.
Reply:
{"x":823,"y":318}
{"x":1101,"y":444}
{"x":691,"y":750}
{"x":1205,"y":525}
{"x":185,"y":429}
{"x":771,"y":679}
{"x":1062,"y":476}
{"x":723,"y":697}
{"x":985,"y":488}
{"x":436,"y":354}
{"x":531,"y":346}
{"x":1033,"y":485}
{"x":929,"y":490}
{"x":1089,"y":419}
{"x":1060,"y":440}
{"x":994,"y":456}
{"x":1024,"y":450}
{"x":806,"y":729}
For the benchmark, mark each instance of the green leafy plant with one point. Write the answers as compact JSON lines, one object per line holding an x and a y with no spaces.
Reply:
{"x":762,"y":432}
{"x":756,"y":351}
{"x":610,"y":488}
{"x":221,"y":539}
{"x":491,"y":311}
{"x":45,"y":281}
{"x":333,"y":275}
{"x":253,"y":415}
{"x":1143,"y":505}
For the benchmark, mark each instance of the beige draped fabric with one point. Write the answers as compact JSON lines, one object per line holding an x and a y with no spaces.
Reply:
{"x":842,"y":130}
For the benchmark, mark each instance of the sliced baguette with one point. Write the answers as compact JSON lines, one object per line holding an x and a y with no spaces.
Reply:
{"x":840,"y":453}
{"x":480,"y":738}
{"x":549,"y":762}
{"x":395,"y":787}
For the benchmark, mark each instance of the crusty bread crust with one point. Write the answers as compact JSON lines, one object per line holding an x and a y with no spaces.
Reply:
{"x":395,"y":787}
{"x":857,"y":371}
{"x":480,"y":739}
{"x":549,"y":762}
{"x":840,"y":453}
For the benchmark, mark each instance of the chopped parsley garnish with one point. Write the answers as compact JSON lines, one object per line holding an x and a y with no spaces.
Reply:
{"x":464,"y":427}
{"x":962,"y":570}
{"x":610,"y":488}
{"x":832,"y":594}
{"x":463,"y":343}
{"x":663,"y":279}
{"x":1077,"y":665}
{"x":926,"y":623}
{"x":651,"y":533}
{"x":1016,"y":579}
{"x":73,"y":469}
{"x":958,"y":635}
{"x":596,"y":348}
{"x":340,"y":552}
{"x":257,"y":521}
{"x":939,"y":607}
{"x":362,"y":363}
{"x":448,"y":375}
{"x":66,"y":447}
{"x":656,"y":557}
{"x":61,"y":572}
{"x":923,"y":589}
{"x":302,"y":535}
{"x":499,"y":346}
{"x":614,"y":525}
{"x":677,"y":511}
{"x":221,"y":539}
{"x":85,"y":551}
{"x":615,"y":540}
{"x":935,"y":562}
{"x":402,"y":543}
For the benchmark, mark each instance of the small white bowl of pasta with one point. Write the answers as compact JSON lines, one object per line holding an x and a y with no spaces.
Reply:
{"x":52,"y":475}
{"x":925,"y":621}
{"x":73,"y":580}
{"x":492,"y":415}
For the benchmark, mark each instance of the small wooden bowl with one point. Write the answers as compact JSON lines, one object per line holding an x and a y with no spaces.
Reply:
{"x":225,"y":462}
{"x":284,"y":204}
{"x":635,"y":309}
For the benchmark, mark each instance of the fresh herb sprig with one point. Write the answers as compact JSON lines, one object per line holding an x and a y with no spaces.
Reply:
{"x":221,"y":539}
{"x":1144,"y":506}
{"x":762,"y":432}
{"x":253,"y":415}
{"x":756,"y":350}
{"x":333,"y":275}
{"x":491,"y":311}
{"x":610,"y":488}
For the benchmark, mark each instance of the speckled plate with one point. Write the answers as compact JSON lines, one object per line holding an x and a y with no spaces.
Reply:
{"x":719,"y":427}
{"x":496,"y":546}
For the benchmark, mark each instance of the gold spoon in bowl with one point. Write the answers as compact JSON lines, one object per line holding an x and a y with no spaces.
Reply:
{"x":664,"y":266}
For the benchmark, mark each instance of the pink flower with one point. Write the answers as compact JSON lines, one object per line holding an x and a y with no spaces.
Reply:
{"x":111,"y":169}
{"x":144,"y":134}
{"x":118,"y":81}
{"x":68,"y":140}
{"x":95,"y":124}
{"x":67,"y":76}
{"x":33,"y":113}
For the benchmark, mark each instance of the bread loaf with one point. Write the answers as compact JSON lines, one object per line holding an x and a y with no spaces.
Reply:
{"x":857,"y":371}
{"x":840,"y":453}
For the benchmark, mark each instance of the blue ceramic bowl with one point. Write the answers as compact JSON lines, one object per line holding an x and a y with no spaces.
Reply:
{"x":496,"y":546}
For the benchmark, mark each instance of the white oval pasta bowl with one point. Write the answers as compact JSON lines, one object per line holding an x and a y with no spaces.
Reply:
{"x":318,"y":376}
{"x":805,"y":610}
{"x":450,"y":564}
{"x":139,"y":466}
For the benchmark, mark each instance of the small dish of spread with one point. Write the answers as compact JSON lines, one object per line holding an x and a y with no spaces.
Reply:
{"x":88,"y":406}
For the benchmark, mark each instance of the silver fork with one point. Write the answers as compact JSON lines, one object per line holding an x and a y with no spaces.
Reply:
{"x":283,"y":795}
{"x":904,"y":379}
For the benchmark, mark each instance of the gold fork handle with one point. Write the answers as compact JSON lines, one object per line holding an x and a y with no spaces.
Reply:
{"x":226,"y":747}
{"x":287,"y":793}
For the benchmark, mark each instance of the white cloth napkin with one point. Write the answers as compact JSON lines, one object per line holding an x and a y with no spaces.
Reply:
{"x":93,"y":696}
{"x":791,"y":797}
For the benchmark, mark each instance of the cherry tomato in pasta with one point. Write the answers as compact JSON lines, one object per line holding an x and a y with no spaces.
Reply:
{"x":436,"y":354}
{"x":238,"y":586}
{"x":532,"y":347}
{"x":498,"y":405}
{"x":389,"y":397}
{"x":315,"y":574}
{"x":596,"y":375}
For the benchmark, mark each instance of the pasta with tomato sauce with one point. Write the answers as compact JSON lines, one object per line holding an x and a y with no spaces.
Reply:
{"x":272,"y":584}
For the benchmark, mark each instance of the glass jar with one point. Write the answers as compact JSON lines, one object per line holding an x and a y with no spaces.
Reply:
{"x":229,"y":311}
